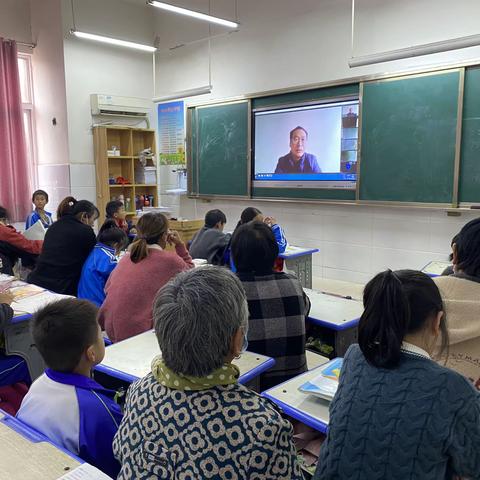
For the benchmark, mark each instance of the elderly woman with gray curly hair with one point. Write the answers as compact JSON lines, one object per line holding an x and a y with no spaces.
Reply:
{"x":189,"y":418}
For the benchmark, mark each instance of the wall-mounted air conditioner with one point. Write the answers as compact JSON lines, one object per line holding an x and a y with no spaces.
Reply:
{"x":115,"y":105}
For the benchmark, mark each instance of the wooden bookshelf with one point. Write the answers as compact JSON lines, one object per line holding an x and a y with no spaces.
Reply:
{"x":129,"y":142}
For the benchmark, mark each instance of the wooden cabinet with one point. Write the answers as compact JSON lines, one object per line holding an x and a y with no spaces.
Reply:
{"x":119,"y":171}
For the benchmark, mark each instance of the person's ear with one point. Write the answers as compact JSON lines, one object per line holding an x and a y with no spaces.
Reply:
{"x":236,"y":343}
{"x":436,"y":323}
{"x":90,"y":354}
{"x":454,"y":254}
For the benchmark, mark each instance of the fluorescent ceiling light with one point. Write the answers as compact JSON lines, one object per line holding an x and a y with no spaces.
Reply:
{"x":192,"y":13}
{"x":183,"y":94}
{"x":113,"y":41}
{"x":416,"y":51}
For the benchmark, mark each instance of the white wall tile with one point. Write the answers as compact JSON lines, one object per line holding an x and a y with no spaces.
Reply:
{"x":348,"y":229}
{"x":57,"y":176}
{"x":401,"y":233}
{"x":356,"y":258}
{"x":82,"y":175}
{"x":85,"y":193}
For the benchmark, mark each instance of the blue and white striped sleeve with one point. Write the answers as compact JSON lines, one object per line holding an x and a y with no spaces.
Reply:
{"x":280,"y":238}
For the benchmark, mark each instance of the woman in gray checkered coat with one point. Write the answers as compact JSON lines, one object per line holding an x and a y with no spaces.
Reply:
{"x":277,"y":303}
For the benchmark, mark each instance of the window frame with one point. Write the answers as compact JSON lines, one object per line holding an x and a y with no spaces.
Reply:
{"x":29,"y":108}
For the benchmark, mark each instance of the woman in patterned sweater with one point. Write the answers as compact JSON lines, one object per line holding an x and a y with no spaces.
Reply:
{"x":397,"y":414}
{"x":277,"y":303}
{"x":189,"y":418}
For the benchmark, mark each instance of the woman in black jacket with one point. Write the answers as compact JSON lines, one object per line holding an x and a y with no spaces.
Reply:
{"x":68,"y":242}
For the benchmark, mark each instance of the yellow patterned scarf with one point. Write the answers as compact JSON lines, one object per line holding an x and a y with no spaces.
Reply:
{"x":226,"y":375}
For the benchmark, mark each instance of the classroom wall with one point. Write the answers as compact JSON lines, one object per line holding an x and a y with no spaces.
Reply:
{"x":354,"y":242}
{"x":51,"y":131}
{"x":15,"y":20}
{"x":283,"y":44}
{"x":91,"y":67}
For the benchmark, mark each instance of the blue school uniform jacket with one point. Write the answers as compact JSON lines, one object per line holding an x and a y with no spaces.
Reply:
{"x":34,"y":217}
{"x":96,"y":270}
{"x":76,"y":413}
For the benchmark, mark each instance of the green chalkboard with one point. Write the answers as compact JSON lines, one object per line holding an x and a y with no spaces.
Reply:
{"x":304,"y":96}
{"x":469,"y":188}
{"x":408,"y":138}
{"x":219,"y":163}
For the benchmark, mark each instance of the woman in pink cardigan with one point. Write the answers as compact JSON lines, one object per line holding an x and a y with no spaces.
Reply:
{"x":133,"y":285}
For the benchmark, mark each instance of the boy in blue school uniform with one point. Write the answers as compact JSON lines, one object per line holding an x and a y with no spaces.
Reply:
{"x":101,"y":262}
{"x":40,"y":200}
{"x":65,"y":404}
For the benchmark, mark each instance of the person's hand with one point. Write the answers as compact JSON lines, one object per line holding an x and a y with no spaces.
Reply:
{"x":6,"y":298}
{"x":270,"y":221}
{"x":173,"y":238}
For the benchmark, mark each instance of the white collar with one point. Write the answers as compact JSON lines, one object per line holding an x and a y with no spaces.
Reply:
{"x":414,"y":350}
{"x":155,"y":246}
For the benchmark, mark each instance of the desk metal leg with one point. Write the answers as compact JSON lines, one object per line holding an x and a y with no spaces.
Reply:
{"x":345,"y":338}
{"x":302,"y":267}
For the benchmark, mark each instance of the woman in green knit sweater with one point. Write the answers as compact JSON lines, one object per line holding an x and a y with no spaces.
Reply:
{"x":398,"y":414}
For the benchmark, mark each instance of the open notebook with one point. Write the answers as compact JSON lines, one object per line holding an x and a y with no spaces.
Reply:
{"x":325,"y":384}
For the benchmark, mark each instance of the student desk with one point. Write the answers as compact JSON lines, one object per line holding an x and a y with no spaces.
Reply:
{"x":130,"y":359}
{"x":18,"y":340}
{"x":435,"y":268}
{"x":338,"y":316}
{"x":28,"y":455}
{"x":299,"y":261}
{"x":305,"y":407}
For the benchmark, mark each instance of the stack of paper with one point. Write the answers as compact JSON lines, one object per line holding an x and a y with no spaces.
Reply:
{"x":35,"y":232}
{"x":325,"y":385}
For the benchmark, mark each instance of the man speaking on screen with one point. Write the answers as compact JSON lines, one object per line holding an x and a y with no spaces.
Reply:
{"x":297,"y":160}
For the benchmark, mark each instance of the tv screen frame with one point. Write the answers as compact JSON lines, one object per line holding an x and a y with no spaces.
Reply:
{"x":346,"y":179}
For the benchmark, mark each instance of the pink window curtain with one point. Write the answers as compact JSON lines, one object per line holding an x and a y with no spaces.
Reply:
{"x":14,"y":177}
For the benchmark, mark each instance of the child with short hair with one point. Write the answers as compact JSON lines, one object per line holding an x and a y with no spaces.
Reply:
{"x":39,"y":199}
{"x":65,"y":404}
{"x":115,"y":211}
{"x":210,"y":242}
{"x":111,"y":240}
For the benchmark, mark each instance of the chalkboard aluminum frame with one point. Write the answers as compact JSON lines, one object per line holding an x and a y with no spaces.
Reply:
{"x":322,"y":101}
{"x":192,"y":110}
{"x":460,"y":68}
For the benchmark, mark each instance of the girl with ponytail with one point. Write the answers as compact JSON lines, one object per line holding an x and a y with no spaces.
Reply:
{"x":111,"y":240}
{"x":133,"y":285}
{"x":397,"y":413}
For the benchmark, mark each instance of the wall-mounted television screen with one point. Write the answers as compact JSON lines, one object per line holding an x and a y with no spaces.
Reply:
{"x":306,"y":146}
